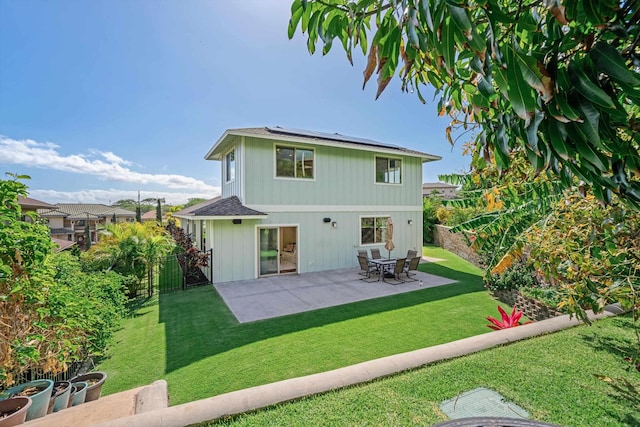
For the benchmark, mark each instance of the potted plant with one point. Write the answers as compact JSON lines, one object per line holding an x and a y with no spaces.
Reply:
{"x":78,"y":393}
{"x":13,"y":411}
{"x":38,"y":390}
{"x":59,"y":396}
{"x":94,"y":382}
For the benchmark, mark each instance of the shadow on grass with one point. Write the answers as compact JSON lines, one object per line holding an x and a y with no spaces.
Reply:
{"x":622,"y":344}
{"x":198,"y":323}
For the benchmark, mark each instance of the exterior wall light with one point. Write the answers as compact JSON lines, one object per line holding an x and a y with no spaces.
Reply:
{"x":334,"y":224}
{"x":410,"y":222}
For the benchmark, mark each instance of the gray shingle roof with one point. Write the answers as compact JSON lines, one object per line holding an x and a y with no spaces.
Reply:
{"x":189,"y":210}
{"x":229,"y":206}
{"x":93,"y":210}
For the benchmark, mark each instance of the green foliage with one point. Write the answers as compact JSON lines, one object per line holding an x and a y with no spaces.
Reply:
{"x":590,"y":253}
{"x":516,"y":277}
{"x":507,"y":204}
{"x":51,"y":311}
{"x":430,"y":207}
{"x":557,"y":82}
{"x":159,"y":212}
{"x":89,"y":302}
{"x":548,"y":295}
{"x":130,"y":249}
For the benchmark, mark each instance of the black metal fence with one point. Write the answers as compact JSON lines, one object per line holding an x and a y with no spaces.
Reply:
{"x":179,"y":272}
{"x":73,"y":369}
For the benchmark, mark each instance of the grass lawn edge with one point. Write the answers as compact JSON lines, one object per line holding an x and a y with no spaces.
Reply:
{"x":259,"y":397}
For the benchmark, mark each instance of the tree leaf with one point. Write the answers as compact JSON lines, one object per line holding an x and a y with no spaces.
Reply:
{"x":557,"y":139}
{"x":587,"y":88}
{"x":296,"y":14}
{"x":372,"y":61}
{"x":520,"y":94}
{"x":448,"y":46}
{"x":609,"y":61}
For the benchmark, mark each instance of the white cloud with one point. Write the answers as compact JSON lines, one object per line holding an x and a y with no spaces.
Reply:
{"x":45,"y":155}
{"x":112,"y":195}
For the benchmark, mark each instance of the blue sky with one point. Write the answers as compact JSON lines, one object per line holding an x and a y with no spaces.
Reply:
{"x":101,"y":99}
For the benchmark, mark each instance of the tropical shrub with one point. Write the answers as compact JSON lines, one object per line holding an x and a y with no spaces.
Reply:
{"x":430,"y":206}
{"x":91,"y":302}
{"x":590,"y":253}
{"x":516,"y":276}
{"x":189,"y":257}
{"x":51,"y":311}
{"x":131,"y":249}
{"x":508,"y":320}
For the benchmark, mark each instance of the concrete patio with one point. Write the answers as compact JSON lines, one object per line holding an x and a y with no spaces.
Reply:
{"x":275,"y":296}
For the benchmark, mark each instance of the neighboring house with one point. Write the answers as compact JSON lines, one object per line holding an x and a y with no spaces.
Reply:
{"x":295,"y":201}
{"x":151,"y":216}
{"x":28,"y":204}
{"x":446,"y":191}
{"x":67,"y":221}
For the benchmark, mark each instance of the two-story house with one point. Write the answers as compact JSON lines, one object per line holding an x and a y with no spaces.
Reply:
{"x":296,"y":201}
{"x":68,"y":220}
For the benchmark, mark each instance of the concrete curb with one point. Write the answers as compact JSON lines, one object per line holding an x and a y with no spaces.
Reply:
{"x":270,"y":394}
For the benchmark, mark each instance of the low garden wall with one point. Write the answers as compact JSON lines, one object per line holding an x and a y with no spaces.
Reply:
{"x":456,"y":243}
{"x":533,"y":309}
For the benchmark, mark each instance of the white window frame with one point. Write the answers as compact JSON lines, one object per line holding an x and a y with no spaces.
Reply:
{"x":375,"y":218}
{"x":294,"y":147}
{"x":388,"y":158}
{"x":227,"y":163}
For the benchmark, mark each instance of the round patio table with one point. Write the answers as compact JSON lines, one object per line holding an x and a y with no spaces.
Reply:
{"x":493,"y":422}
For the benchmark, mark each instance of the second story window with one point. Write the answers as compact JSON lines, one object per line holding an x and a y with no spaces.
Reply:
{"x":388,"y":171}
{"x":230,"y":162}
{"x":292,"y":162}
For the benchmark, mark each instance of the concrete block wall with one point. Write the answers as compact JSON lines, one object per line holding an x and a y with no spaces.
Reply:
{"x":456,"y":243}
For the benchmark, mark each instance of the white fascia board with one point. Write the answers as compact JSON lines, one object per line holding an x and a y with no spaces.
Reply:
{"x":218,"y":217}
{"x":289,"y":138}
{"x":335,"y":208}
{"x":209,"y":155}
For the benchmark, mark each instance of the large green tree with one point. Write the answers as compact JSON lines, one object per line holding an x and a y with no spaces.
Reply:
{"x":554,"y":79}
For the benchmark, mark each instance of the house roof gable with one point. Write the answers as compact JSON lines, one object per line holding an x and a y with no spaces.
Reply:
{"x":229,"y":207}
{"x":28,"y":203}
{"x":312,"y":137}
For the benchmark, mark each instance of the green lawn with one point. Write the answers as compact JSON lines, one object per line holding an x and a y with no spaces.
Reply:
{"x":192,"y":340}
{"x":576,"y":377}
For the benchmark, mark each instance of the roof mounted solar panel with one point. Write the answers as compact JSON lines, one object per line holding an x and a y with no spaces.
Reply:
{"x":329,"y":136}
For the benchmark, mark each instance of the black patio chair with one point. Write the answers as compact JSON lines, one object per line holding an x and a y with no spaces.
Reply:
{"x":397,"y":270}
{"x":367,"y":268}
{"x":411,"y":265}
{"x":375,"y":253}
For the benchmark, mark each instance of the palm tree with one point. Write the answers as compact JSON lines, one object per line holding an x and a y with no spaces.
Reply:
{"x":133,"y":249}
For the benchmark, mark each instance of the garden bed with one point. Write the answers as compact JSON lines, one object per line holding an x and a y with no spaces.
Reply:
{"x":533,"y":309}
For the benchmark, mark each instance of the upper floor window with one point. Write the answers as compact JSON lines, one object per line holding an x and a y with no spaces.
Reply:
{"x":388,"y":170}
{"x":292,"y":162}
{"x":230,"y":162}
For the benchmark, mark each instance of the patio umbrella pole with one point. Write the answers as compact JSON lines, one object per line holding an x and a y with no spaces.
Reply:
{"x":389,"y":246}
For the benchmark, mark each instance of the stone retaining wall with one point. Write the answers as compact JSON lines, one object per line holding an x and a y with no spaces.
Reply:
{"x":533,"y":309}
{"x":456,"y":243}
